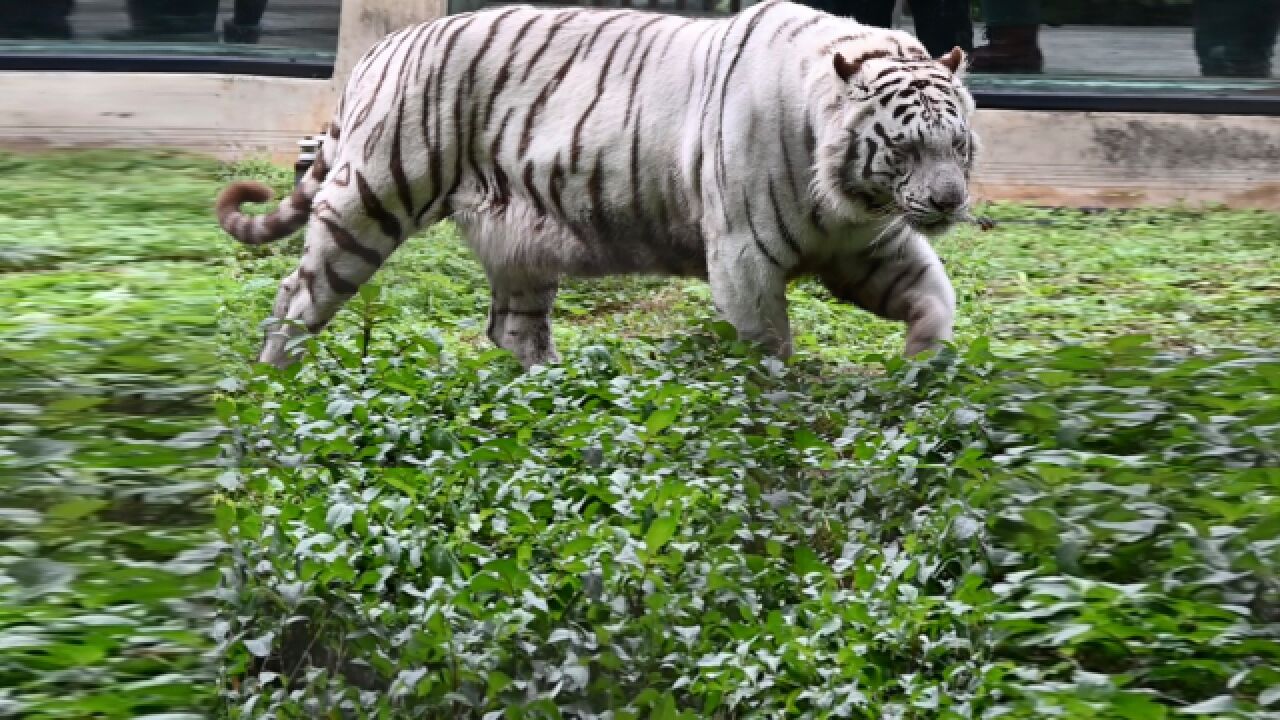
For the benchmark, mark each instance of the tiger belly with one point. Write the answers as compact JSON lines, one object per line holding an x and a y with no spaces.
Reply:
{"x":515,"y":235}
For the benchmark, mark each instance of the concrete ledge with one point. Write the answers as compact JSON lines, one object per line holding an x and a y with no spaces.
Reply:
{"x":227,"y":116}
{"x":1129,"y":159}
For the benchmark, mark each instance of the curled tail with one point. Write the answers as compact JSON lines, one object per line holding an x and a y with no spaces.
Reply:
{"x":281,"y":222}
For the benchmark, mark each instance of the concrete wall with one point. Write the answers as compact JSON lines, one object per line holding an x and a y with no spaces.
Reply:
{"x":1129,"y":159}
{"x":1096,"y":159}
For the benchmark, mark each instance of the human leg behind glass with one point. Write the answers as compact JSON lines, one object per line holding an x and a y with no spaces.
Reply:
{"x":245,"y":23}
{"x":1236,"y":38}
{"x":1013,"y":38}
{"x":940,"y":24}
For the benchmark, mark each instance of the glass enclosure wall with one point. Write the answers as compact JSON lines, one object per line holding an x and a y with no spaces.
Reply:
{"x":268,"y":33}
{"x":1187,"y":48}
{"x":1201,"y":49}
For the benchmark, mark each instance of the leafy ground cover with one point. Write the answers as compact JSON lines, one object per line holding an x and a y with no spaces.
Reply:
{"x":109,"y":276}
{"x":1071,"y":513}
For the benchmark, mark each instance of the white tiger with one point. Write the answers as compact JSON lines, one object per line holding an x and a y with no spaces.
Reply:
{"x":747,"y":150}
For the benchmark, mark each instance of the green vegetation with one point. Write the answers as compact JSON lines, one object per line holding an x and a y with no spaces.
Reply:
{"x":1075,"y":512}
{"x":109,"y":276}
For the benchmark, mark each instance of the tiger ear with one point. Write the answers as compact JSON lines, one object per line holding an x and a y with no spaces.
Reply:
{"x":844,"y":68}
{"x":953,"y":60}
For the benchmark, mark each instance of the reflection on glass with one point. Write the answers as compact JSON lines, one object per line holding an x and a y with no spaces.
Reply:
{"x":1231,"y":38}
{"x":940,"y":24}
{"x":231,"y":26}
{"x":1135,"y":38}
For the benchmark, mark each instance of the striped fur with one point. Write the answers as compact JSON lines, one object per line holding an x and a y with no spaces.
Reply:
{"x":749,"y":150}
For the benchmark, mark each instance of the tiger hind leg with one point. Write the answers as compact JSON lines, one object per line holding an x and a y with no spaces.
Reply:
{"x":341,"y":252}
{"x":520,"y":318}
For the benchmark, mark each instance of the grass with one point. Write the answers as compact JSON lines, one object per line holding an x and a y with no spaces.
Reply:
{"x":1072,"y":513}
{"x":109,"y":274}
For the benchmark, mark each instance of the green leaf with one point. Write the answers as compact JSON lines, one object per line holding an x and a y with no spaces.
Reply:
{"x":76,"y":508}
{"x":660,"y":531}
{"x":661,"y":419}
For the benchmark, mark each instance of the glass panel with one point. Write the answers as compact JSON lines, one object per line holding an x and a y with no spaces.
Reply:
{"x":1204,"y":48}
{"x":682,"y":7}
{"x":286,"y":30}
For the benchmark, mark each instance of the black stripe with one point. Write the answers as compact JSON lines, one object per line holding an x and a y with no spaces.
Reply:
{"x":402,"y":82}
{"x":638,"y":33}
{"x":504,"y":73}
{"x":879,"y":130}
{"x":338,"y":283}
{"x":373,"y":139}
{"x":872,"y":269}
{"x":637,"y":198}
{"x":904,"y":94}
{"x":430,"y":141}
{"x":710,"y":71}
{"x":362,"y":113}
{"x":371,"y":59}
{"x":887,"y":294}
{"x":857,"y":62}
{"x":871,"y":156}
{"x":556,"y":182}
{"x":387,"y":222}
{"x":575,"y":145}
{"x":437,"y":170}
{"x":459,"y":145}
{"x":531,"y":186}
{"x":499,"y":84}
{"x":746,"y":201}
{"x":496,"y":148}
{"x":397,"y":162}
{"x":783,"y":230}
{"x":348,"y":243}
{"x":666,"y":46}
{"x":780,"y":29}
{"x":540,"y":101}
{"x":806,"y":25}
{"x":618,"y":15}
{"x":815,"y":218}
{"x":796,"y":190}
{"x":722,"y":173}
{"x":561,"y":19}
{"x":502,"y":186}
{"x":595,"y":191}
{"x":887,"y":71}
{"x":309,"y":280}
{"x":472,"y":132}
{"x":635,"y":79}
{"x":494,"y":27}
{"x":831,"y":45}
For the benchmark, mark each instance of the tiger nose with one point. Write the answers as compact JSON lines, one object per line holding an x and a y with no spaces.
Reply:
{"x":948,"y":198}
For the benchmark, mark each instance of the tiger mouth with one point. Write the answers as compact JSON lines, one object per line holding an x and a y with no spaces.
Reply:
{"x":931,"y":226}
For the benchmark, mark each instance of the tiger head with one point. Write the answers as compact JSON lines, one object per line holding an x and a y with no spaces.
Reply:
{"x":900,"y":143}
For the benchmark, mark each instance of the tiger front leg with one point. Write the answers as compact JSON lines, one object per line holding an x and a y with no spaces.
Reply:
{"x":909,"y":285}
{"x":931,"y":312}
{"x":339,"y":255}
{"x":749,"y":288}
{"x":520,"y":319}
